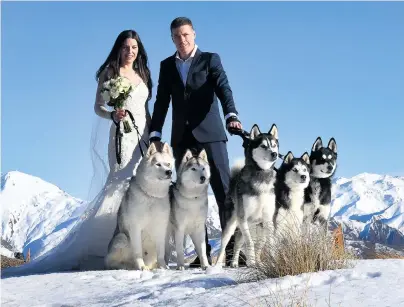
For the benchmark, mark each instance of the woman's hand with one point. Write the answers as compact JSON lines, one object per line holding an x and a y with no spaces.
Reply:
{"x":119,"y":114}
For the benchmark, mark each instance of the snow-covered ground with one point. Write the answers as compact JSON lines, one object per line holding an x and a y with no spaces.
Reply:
{"x":368,"y":283}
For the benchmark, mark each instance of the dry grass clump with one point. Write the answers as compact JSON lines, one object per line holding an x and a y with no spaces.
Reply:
{"x":295,"y":252}
{"x":7,"y":262}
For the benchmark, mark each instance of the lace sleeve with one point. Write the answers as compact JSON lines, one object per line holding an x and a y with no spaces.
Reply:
{"x":99,"y":106}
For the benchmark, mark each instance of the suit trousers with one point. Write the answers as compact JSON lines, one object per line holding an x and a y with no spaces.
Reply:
{"x":220,"y":176}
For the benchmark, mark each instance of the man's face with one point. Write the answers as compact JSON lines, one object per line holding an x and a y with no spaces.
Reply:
{"x":184,"y":39}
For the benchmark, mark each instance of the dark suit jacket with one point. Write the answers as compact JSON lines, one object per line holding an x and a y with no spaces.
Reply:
{"x":197,"y":101}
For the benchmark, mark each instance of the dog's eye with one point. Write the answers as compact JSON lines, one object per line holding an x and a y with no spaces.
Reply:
{"x":295,"y":170}
{"x":263,"y":146}
{"x":168,"y":164}
{"x":158,"y":164}
{"x":194,"y":169}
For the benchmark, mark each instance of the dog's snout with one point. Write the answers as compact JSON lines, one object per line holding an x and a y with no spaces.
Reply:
{"x":329,"y":167}
{"x":303,"y":177}
{"x":274,"y":155}
{"x":169,"y":172}
{"x":203,"y":179}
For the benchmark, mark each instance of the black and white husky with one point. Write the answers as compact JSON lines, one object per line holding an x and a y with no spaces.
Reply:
{"x":323,"y":161}
{"x":292,"y":178}
{"x":189,"y":206}
{"x":251,"y":197}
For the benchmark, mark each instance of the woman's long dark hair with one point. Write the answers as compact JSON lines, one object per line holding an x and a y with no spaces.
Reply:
{"x":140,"y":65}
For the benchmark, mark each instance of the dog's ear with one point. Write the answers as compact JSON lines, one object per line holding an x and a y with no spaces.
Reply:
{"x":332,"y":144}
{"x":273,"y":131}
{"x":255,"y":131}
{"x":203,"y":155}
{"x":167,"y":149}
{"x":288,"y":158}
{"x":151,"y":150}
{"x":305,"y":157}
{"x":187,"y":156}
{"x":317,"y":144}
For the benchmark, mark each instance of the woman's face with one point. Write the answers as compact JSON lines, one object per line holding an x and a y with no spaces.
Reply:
{"x":129,"y":51}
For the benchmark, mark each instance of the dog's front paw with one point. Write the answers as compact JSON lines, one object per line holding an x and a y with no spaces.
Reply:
{"x":145,"y":268}
{"x":180,"y":268}
{"x":234,"y":264}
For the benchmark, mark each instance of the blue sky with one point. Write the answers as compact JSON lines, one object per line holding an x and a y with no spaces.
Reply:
{"x":313,"y":68}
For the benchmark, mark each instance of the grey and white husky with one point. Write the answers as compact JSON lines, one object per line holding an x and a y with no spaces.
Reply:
{"x":323,"y":162}
{"x":292,"y":177}
{"x":189,"y":206}
{"x":139,"y":239}
{"x":251,"y":196}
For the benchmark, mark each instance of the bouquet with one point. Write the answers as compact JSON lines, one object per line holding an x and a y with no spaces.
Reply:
{"x":115,"y":92}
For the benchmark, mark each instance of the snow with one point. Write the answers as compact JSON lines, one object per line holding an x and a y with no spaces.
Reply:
{"x":370,"y":207}
{"x":368,"y":283}
{"x":367,"y":195}
{"x":6,"y":252}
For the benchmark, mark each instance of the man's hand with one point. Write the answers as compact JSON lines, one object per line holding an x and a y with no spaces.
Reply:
{"x":233,"y":123}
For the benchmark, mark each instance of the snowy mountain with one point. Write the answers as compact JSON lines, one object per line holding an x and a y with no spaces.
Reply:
{"x":370,"y":207}
{"x":37,"y":214}
{"x":368,"y":195}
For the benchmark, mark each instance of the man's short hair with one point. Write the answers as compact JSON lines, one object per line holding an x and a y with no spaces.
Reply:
{"x":180,"y":21}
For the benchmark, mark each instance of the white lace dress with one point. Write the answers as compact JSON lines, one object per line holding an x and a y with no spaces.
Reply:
{"x":85,"y":246}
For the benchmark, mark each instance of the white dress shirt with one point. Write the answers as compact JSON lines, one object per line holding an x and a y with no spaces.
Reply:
{"x":184,"y":65}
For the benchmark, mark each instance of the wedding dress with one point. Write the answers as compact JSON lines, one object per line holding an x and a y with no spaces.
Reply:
{"x":86,"y":244}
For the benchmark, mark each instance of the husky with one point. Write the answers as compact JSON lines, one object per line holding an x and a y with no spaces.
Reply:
{"x":189,"y":206}
{"x":251,"y":196}
{"x":323,"y":161}
{"x":292,"y":178}
{"x":139,"y":239}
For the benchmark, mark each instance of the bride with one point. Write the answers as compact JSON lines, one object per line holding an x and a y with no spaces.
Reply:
{"x":85,"y":246}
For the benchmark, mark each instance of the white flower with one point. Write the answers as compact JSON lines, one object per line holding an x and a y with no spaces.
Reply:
{"x":114,"y":93}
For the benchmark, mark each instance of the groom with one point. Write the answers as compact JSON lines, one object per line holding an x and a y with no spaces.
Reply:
{"x":193,"y":80}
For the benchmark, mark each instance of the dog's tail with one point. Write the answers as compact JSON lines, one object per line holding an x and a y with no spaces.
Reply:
{"x":237,"y":167}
